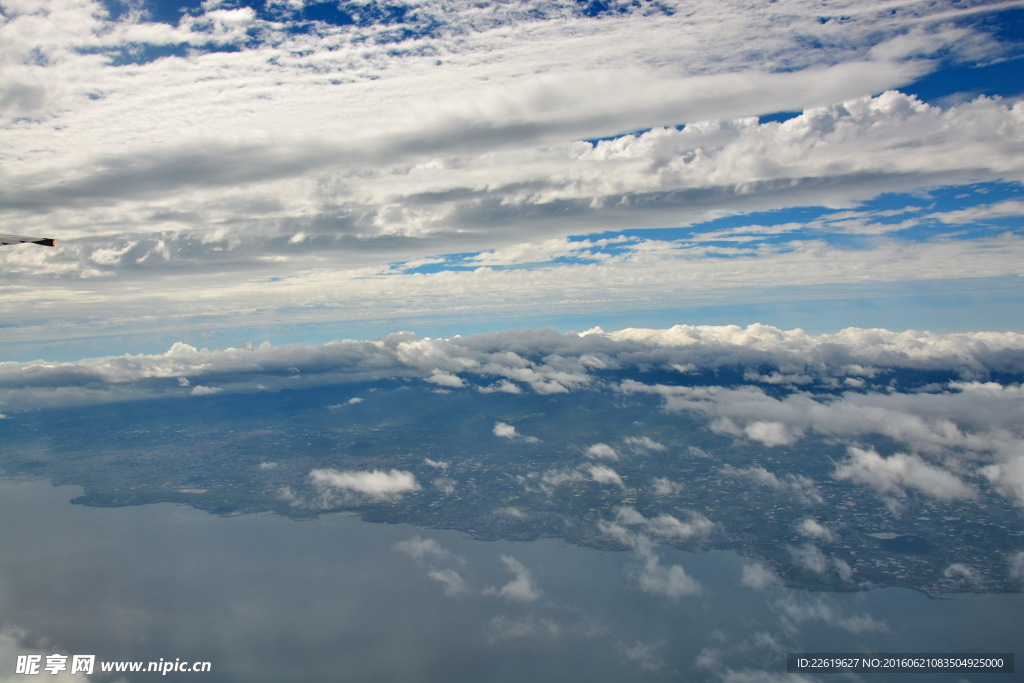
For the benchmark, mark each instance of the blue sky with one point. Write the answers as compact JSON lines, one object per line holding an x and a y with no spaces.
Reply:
{"x":224,"y":172}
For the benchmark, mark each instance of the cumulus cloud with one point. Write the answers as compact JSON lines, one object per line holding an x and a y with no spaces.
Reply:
{"x":535,"y":357}
{"x":628,"y":524}
{"x":1015,"y":565}
{"x":521,"y":588}
{"x":961,"y":572}
{"x":552,"y":479}
{"x":605,"y":475}
{"x":813,"y":529}
{"x":507,"y":431}
{"x":899,"y":472}
{"x":375,"y":485}
{"x":429,"y":554}
{"x":633,"y":530}
{"x":770,"y":433}
{"x":644,"y":443}
{"x":922,"y":419}
{"x":843,"y":570}
{"x":454,"y":585}
{"x":445,"y":485}
{"x":504,"y":430}
{"x":1008,"y":476}
{"x":799,"y":486}
{"x":601,"y":451}
{"x":504,"y":387}
{"x":445,"y":379}
{"x":422,"y":549}
{"x":808,"y":556}
{"x":651,"y":576}
{"x":757,"y":576}
{"x":794,"y":610}
{"x":663,"y":486}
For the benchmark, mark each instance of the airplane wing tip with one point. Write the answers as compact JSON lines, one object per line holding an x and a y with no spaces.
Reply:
{"x":21,"y":239}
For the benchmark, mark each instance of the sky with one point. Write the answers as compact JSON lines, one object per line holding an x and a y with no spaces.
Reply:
{"x":224,"y":172}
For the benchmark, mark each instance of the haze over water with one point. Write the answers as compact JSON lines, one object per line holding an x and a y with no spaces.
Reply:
{"x":264,"y":598}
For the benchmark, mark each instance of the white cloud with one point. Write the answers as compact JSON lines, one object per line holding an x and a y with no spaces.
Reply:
{"x":959,"y":571}
{"x":651,"y":576}
{"x":1005,"y":209}
{"x":799,"y":486}
{"x":758,"y":576}
{"x":843,"y":569}
{"x":504,"y":430}
{"x":552,"y":479}
{"x":1016,"y":565}
{"x":813,"y":529}
{"x":857,"y":352}
{"x":770,"y":433}
{"x":923,"y":420}
{"x":445,"y":379}
{"x":519,"y":589}
{"x":454,"y":585}
{"x":16,"y":642}
{"x":664,"y":526}
{"x":795,"y":610}
{"x":601,"y":451}
{"x":1008,"y":476}
{"x":895,"y":474}
{"x":504,"y":387}
{"x":663,"y":486}
{"x":429,"y":554}
{"x":507,"y":431}
{"x":809,"y":557}
{"x":604,"y":475}
{"x":445,"y":485}
{"x":645,"y":443}
{"x":376,"y":485}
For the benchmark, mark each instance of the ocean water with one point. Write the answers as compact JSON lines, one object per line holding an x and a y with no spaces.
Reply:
{"x":264,"y":598}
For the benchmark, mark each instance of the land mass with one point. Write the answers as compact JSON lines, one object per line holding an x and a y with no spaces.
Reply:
{"x":596,"y":468}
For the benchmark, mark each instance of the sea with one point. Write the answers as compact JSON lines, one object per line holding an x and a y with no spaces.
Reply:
{"x":265,"y":598}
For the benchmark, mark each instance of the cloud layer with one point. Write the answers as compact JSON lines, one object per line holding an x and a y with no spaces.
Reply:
{"x":253,"y":166}
{"x":949,"y":405}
